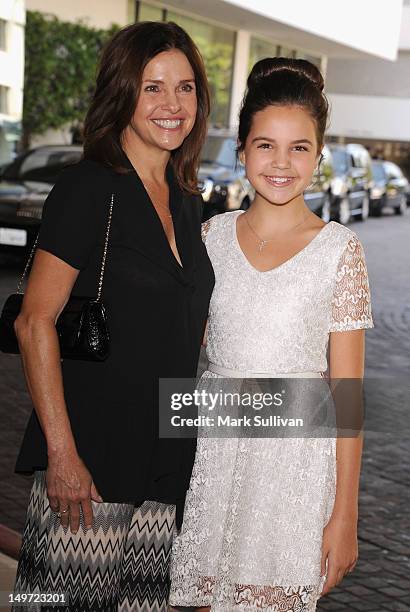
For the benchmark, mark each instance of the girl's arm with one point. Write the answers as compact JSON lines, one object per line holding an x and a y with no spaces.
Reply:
{"x":205,"y":337}
{"x":340,"y":549}
{"x":204,"y":232}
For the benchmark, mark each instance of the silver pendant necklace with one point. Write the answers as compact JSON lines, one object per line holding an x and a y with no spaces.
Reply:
{"x":263,"y":242}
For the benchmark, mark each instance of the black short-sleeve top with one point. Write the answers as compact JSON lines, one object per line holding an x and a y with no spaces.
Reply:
{"x":156,"y":313}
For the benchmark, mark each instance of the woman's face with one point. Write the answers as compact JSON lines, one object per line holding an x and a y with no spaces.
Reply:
{"x":281,"y":153}
{"x":166,"y":108}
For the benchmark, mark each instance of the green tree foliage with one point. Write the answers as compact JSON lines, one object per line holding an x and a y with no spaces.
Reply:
{"x":218,"y":63}
{"x":60,"y":69}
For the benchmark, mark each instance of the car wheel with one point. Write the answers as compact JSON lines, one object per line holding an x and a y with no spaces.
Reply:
{"x":364,"y":212}
{"x":245,"y":203}
{"x":326,"y":209}
{"x":401,"y":209}
{"x":344,"y":211}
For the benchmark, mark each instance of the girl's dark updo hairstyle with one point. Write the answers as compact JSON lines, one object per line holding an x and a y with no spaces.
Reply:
{"x":282,"y":81}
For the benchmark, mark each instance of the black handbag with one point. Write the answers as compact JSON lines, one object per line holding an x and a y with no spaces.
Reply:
{"x":82,"y":325}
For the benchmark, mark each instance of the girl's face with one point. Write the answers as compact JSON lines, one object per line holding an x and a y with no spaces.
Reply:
{"x":281,"y":153}
{"x":166,"y":108}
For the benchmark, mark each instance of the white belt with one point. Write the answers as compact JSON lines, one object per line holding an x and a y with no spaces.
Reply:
{"x":230,"y":373}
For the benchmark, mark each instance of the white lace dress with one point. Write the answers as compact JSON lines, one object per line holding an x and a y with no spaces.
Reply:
{"x":256,"y":508}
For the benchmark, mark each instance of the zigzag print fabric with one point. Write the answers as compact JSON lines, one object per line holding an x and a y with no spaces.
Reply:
{"x":120,"y":565}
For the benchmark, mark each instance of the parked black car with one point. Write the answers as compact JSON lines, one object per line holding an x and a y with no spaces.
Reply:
{"x":225,"y":186}
{"x":390,"y":188}
{"x":222,"y":178}
{"x":353,"y":182}
{"x":24,"y":186}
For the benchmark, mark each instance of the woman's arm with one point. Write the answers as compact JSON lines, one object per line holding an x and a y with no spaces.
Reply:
{"x":69,"y":483}
{"x":340,"y":534}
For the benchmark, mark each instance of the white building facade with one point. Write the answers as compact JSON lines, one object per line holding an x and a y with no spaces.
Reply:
{"x":233,"y":34}
{"x":12,"y":19}
{"x":316,"y":30}
{"x":370,"y":100}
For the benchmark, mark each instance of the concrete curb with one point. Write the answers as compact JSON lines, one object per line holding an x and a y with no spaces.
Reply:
{"x":10,"y":542}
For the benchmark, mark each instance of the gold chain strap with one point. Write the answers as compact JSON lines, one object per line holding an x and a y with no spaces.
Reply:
{"x":30,"y":257}
{"x":100,"y":283}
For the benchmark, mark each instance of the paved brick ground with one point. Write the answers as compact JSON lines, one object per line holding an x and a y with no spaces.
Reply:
{"x":381,"y":580}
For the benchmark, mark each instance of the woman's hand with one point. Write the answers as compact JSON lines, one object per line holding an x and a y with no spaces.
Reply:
{"x":340,"y":548}
{"x":70,"y":489}
{"x":69,"y":484}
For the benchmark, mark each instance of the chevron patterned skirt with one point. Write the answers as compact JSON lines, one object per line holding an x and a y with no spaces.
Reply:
{"x":120,"y":565}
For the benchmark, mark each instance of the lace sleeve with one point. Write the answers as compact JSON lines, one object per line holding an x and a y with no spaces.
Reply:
{"x":205,"y":229}
{"x":351,"y":306}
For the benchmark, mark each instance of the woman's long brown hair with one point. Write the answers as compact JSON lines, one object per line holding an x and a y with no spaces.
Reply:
{"x":118,"y":86}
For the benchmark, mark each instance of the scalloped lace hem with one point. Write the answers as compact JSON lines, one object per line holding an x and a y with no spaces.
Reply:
{"x":249,"y":597}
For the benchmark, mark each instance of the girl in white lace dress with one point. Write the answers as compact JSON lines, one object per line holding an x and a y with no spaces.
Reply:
{"x":271,"y":524}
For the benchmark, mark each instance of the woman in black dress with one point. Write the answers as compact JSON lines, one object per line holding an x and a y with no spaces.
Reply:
{"x":107,"y":489}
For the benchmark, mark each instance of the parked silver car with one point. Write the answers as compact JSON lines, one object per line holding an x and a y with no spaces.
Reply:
{"x":222,"y":178}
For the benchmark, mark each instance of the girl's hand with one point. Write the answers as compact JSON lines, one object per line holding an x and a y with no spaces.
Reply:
{"x":340,"y":548}
{"x":70,"y":489}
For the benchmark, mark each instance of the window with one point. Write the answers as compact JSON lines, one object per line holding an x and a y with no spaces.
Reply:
{"x":4,"y":95}
{"x":340,"y":160}
{"x":220,"y":151}
{"x":149,"y":13}
{"x":263,"y":48}
{"x":317,"y":61}
{"x":217,"y":48}
{"x":286,"y":51}
{"x":3,"y":34}
{"x":260,"y":49}
{"x":378,"y":172}
{"x":43,"y":164}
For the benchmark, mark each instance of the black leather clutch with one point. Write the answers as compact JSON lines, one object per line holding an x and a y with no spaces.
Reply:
{"x":82,"y":325}
{"x":82,"y":328}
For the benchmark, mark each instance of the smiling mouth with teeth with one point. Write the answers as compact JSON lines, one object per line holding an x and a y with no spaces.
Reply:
{"x":168,"y":124}
{"x":279,"y":180}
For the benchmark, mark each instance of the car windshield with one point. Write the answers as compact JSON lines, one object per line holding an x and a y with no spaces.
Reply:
{"x":378,"y":172}
{"x":219,"y":150}
{"x":42,"y":165}
{"x":340,"y":160}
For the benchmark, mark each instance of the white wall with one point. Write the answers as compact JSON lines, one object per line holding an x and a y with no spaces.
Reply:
{"x":375,"y":117}
{"x":372,"y":26}
{"x":240,"y":74}
{"x":12,"y":73}
{"x":404,"y":40}
{"x":371,"y":97}
{"x":12,"y":59}
{"x":96,"y":13}
{"x":370,"y":77}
